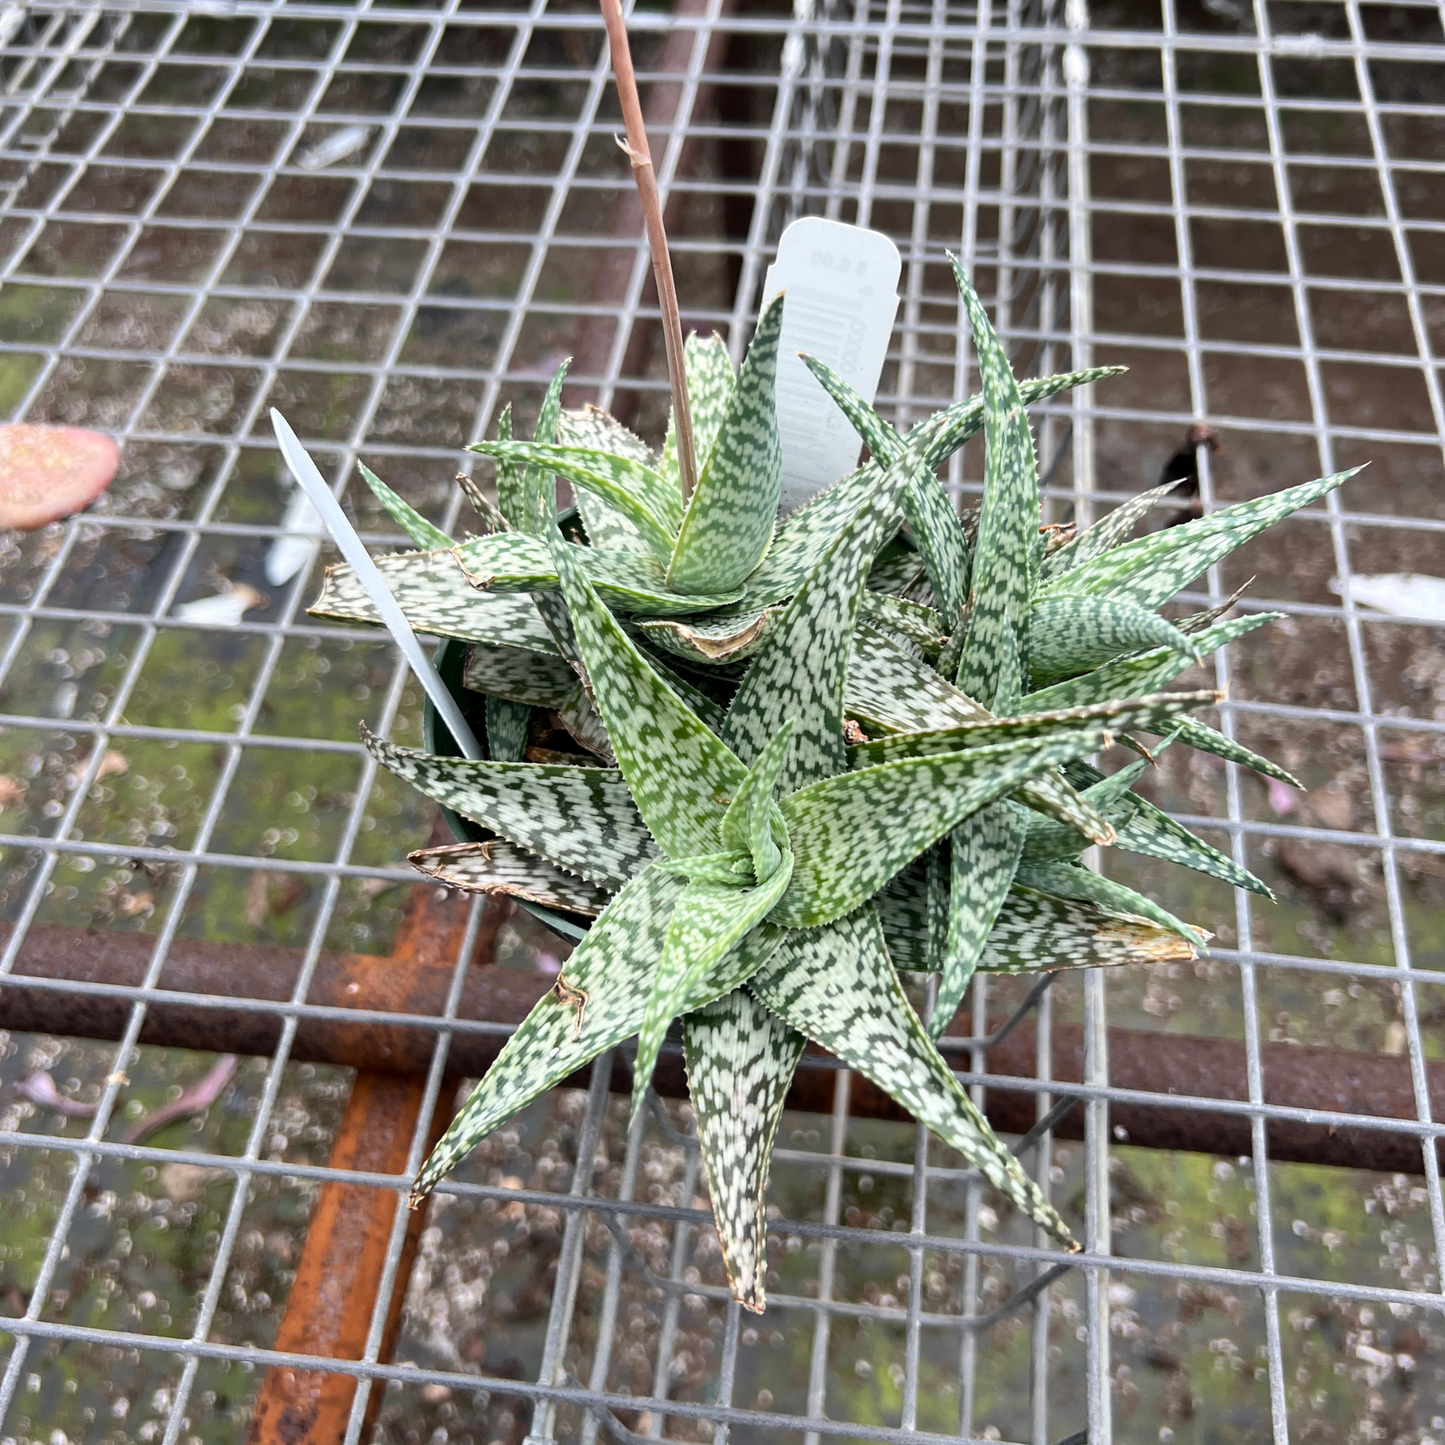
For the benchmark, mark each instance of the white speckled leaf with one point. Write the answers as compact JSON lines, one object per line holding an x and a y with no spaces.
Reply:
{"x":852,"y":833}
{"x":629,"y":581}
{"x":508,"y":724}
{"x":1072,"y":635}
{"x":1148,"y":714}
{"x":710,"y":382}
{"x":944,"y":432}
{"x":1106,"y":534}
{"x":740,"y":1062}
{"x":679,"y":774}
{"x":433,"y":592}
{"x":612,"y":967}
{"x":515,"y":674}
{"x":1065,"y":880}
{"x":1136,"y":676}
{"x":931,"y":516}
{"x":511,"y":478}
{"x":1003,"y":567}
{"x":799,"y":671}
{"x":752,"y":817}
{"x":922,"y":626}
{"x":985,"y":852}
{"x":712,"y":640}
{"x":634,"y":490}
{"x":1154,"y":834}
{"x":836,"y":985}
{"x":1035,"y":932}
{"x":1150,"y":570}
{"x":803,"y":536}
{"x":1200,"y":735}
{"x":890,"y":690}
{"x":422,"y":533}
{"x":582,"y":819}
{"x":730,"y":519}
{"x":595,"y":429}
{"x":709,"y":921}
{"x":539,"y":486}
{"x":501,"y":867}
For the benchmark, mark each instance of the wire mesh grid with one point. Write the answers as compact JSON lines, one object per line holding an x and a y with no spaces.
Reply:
{"x":391,"y":220}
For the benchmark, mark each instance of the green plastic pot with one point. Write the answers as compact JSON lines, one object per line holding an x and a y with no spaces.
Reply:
{"x":450,"y":659}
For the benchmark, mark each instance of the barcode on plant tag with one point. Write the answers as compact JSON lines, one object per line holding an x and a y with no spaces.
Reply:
{"x":842,"y":295}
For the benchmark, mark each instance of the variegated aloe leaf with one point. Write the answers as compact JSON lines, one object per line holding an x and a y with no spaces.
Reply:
{"x":802,"y":536}
{"x":1004,"y":564}
{"x":595,"y":429}
{"x":853,"y":832}
{"x":500,"y":867}
{"x":515,"y":674}
{"x":582,"y":819}
{"x":511,"y":479}
{"x":1150,"y":570}
{"x":1135,"y":676}
{"x":1199,"y":735}
{"x":710,"y":920}
{"x":633,"y":489}
{"x":1073,"y":635}
{"x":730,"y":519}
{"x":680,"y":776}
{"x":920,"y":625}
{"x":985,"y":853}
{"x":1154,"y":834}
{"x":799,"y":672}
{"x":753,"y":821}
{"x":890,"y":690}
{"x":508,"y":724}
{"x":539,"y":487}
{"x":1200,"y":621}
{"x":710,"y":381}
{"x":946,"y":431}
{"x":836,"y":985}
{"x":710,"y":641}
{"x":1148,"y":714}
{"x":422,"y":533}
{"x":1065,"y":880}
{"x":1035,"y":932}
{"x":740,"y":1061}
{"x":931,"y":515}
{"x":1106,"y":534}
{"x":607,"y":979}
{"x":630,"y":581}
{"x":436,"y":597}
{"x":1140,"y":828}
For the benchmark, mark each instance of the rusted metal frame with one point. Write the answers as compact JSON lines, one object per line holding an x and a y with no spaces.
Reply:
{"x":343,"y":1262}
{"x":1341,"y":1082}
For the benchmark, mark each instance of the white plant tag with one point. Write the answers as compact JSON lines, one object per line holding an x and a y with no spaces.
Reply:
{"x":309,"y":479}
{"x":842,"y":295}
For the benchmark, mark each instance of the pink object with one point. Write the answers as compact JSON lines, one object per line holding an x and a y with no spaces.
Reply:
{"x":195,"y":1099}
{"x":1282,"y":798}
{"x":50,"y":472}
{"x":40,"y":1089}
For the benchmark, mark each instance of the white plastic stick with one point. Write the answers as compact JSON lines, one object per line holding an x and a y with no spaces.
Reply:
{"x":310,"y":480}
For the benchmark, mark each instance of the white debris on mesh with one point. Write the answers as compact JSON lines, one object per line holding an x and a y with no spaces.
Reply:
{"x":1402,"y":594}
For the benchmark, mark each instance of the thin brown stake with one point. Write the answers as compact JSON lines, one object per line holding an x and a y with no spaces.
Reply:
{"x":641,"y":157}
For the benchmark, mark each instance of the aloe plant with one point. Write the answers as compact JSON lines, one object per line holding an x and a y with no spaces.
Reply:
{"x":771,"y":763}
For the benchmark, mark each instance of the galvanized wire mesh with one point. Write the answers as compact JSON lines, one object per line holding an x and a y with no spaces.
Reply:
{"x":390,"y":220}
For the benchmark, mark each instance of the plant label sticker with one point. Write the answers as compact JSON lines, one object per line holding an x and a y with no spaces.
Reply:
{"x":842,"y":296}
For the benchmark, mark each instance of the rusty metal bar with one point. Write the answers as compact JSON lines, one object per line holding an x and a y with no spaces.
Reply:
{"x":1335,"y":1081}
